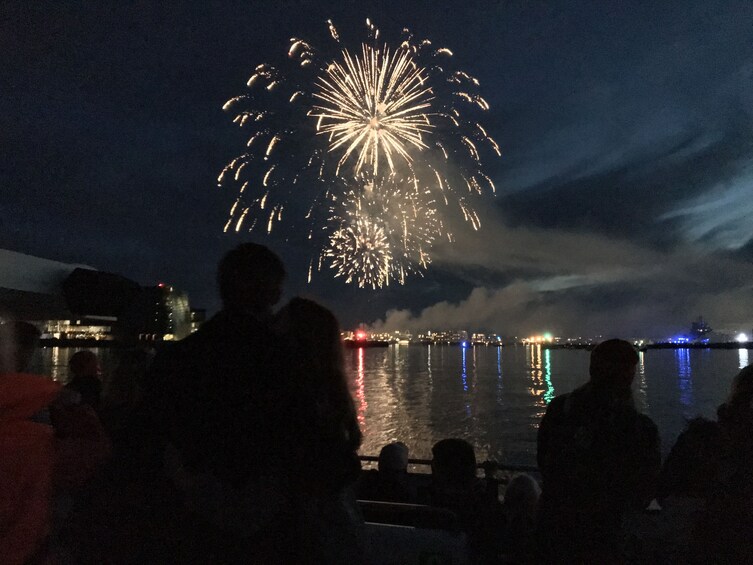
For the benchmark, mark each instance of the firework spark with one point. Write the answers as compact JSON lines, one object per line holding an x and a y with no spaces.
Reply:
{"x":385,"y":219}
{"x":359,"y":252}
{"x":322,"y":121}
{"x":374,"y":104}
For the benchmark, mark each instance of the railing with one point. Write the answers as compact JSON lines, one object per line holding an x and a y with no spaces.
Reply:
{"x":489,"y":467}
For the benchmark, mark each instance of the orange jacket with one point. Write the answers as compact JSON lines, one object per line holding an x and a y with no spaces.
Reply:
{"x":27,"y":460}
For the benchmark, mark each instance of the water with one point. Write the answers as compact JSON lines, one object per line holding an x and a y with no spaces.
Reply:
{"x":495,"y":397}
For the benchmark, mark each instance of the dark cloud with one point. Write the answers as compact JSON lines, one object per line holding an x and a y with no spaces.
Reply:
{"x":637,"y":198}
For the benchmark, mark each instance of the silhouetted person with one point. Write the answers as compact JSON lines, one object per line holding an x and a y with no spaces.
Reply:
{"x":692,"y":477}
{"x":209,"y":395}
{"x":598,"y":458}
{"x":48,"y":444}
{"x":86,"y":378}
{"x":723,"y":533}
{"x":320,"y":438}
{"x":456,"y":487}
{"x":122,"y":391}
{"x":520,"y":507}
{"x":389,"y":482}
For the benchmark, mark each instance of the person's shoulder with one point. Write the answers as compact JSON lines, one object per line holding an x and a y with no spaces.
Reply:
{"x":700,"y":431}
{"x":701,"y":424}
{"x":25,"y":383}
{"x":557,"y":405}
{"x":646,"y":425}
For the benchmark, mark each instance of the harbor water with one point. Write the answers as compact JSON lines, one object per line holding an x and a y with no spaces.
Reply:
{"x":495,"y":397}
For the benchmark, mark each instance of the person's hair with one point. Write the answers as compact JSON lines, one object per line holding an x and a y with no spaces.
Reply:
{"x":250,"y":276}
{"x":83,"y":363}
{"x":393,"y":457}
{"x":17,"y":343}
{"x":741,"y":392}
{"x":454,"y":461}
{"x":315,"y":333}
{"x":522,"y":494}
{"x":610,"y":360}
{"x":316,"y":351}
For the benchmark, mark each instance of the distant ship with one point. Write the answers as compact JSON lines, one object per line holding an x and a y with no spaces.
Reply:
{"x":699,"y":329}
{"x":361,"y":339}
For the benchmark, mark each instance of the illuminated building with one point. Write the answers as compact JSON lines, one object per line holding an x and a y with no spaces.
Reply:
{"x":198,"y":317}
{"x":159,"y":313}
{"x":69,"y":302}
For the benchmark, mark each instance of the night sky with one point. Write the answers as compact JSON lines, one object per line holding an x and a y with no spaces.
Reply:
{"x":625,"y":187}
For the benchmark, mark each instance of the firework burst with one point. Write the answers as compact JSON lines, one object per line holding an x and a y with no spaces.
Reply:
{"x":382,"y":231}
{"x":322,"y":120}
{"x":374,"y":105}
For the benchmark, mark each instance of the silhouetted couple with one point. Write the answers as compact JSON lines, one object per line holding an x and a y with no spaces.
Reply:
{"x":260,"y":429}
{"x":600,"y":458}
{"x":709,"y":473}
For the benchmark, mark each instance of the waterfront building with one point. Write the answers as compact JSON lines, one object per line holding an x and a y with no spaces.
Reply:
{"x":486,"y":339}
{"x":443,"y":336}
{"x":159,"y":313}
{"x":78,"y":302}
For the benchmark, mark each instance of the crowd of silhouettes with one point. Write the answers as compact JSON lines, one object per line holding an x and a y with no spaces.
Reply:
{"x":239,"y":444}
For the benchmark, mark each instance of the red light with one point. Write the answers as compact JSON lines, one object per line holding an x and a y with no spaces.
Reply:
{"x":161,"y":285}
{"x":360,"y":335}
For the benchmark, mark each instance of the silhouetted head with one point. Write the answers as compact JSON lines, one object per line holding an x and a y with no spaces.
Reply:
{"x":393,"y":458}
{"x":522,"y":495}
{"x":453,"y":463}
{"x":250,"y":279}
{"x":741,"y":393}
{"x":84,"y":364}
{"x":313,"y":334}
{"x":18,"y":340}
{"x":613,"y":364}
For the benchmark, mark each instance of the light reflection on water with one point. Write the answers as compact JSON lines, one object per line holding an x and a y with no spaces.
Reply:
{"x":360,"y":391}
{"x":549,"y":394}
{"x":495,"y":397}
{"x":685,"y":380}
{"x":413,"y":393}
{"x":464,"y":371}
{"x":641,"y":395}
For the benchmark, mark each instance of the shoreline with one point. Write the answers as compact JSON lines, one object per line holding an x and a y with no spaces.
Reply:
{"x":112,"y":343}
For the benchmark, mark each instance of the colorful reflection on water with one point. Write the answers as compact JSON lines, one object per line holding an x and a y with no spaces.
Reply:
{"x":495,"y":397}
{"x":549,"y":394}
{"x":685,"y":380}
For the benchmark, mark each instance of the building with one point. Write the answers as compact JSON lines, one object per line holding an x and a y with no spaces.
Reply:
{"x":77,"y":302}
{"x":198,"y":317}
{"x":158,"y":313}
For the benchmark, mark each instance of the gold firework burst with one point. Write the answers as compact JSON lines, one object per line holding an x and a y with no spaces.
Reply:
{"x":359,"y":251}
{"x":373,"y":105}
